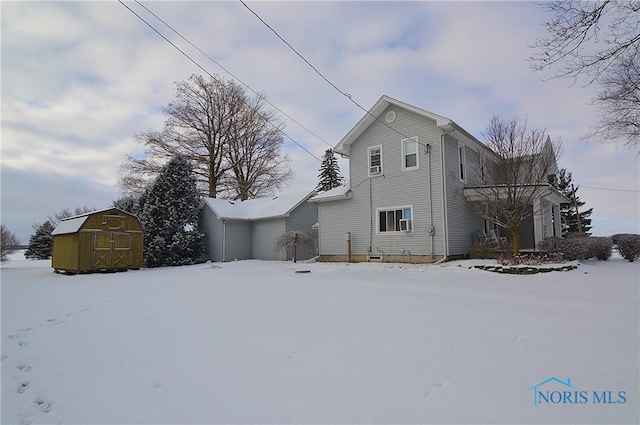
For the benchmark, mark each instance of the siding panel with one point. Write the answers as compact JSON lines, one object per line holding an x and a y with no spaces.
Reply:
{"x":462,"y":219}
{"x":238,"y":240}
{"x":265,"y":233}
{"x":394,"y":188}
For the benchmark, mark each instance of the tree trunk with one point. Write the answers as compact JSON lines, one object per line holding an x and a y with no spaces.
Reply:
{"x":515,"y":236}
{"x":295,"y":248}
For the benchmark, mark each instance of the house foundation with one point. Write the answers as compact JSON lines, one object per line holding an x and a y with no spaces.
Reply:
{"x":381,"y":258}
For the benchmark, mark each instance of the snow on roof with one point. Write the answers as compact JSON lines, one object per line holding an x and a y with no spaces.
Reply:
{"x":259,"y":208}
{"x":70,"y":225}
{"x":334,"y":194}
{"x":73,"y":224}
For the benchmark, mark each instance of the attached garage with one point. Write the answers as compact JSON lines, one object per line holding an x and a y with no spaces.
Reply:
{"x":106,"y":240}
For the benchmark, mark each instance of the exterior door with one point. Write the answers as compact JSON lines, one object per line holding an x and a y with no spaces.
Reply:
{"x":101,"y":255}
{"x":122,"y":245}
{"x":111,"y":250}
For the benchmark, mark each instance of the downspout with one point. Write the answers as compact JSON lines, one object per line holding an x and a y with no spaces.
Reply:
{"x":445,"y":232}
{"x":224,"y":240}
{"x":370,"y":216}
{"x":432,"y":229}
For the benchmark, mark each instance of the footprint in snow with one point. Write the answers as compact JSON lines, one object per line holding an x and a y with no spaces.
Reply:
{"x":23,"y":367}
{"x":437,"y":386}
{"x":43,"y":404}
{"x":23,"y":387}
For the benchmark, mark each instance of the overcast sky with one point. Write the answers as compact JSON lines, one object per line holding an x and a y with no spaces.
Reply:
{"x":79,"y":79}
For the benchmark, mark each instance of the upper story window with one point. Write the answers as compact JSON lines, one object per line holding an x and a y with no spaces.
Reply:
{"x":462,"y":162}
{"x":410,"y":154}
{"x":375,"y":160}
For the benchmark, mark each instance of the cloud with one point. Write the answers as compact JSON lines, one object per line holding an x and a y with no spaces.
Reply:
{"x":79,"y":79}
{"x":31,"y":196}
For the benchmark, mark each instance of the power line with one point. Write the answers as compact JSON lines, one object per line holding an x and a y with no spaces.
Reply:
{"x":208,"y":73}
{"x":342,"y":92}
{"x":610,"y":189}
{"x":231,"y":74}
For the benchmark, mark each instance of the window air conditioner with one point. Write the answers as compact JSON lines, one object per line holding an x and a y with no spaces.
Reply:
{"x":405,"y":225}
{"x":375,"y":169}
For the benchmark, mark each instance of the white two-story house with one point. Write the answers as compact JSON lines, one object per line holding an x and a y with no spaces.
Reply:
{"x":411,"y":195}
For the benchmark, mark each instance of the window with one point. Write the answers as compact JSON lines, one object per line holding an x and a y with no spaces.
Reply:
{"x":462,"y":162}
{"x":483,"y":168}
{"x":410,"y":154}
{"x":375,"y":160}
{"x":397,"y":219}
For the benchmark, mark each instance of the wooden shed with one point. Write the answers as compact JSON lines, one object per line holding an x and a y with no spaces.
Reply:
{"x":104,"y":240}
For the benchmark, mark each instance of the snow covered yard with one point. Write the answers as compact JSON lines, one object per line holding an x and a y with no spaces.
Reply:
{"x":255,"y":342}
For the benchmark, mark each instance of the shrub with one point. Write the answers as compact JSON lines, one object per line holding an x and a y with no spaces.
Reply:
{"x":8,"y":243}
{"x":481,"y":250}
{"x":628,"y":245}
{"x":599,"y":247}
{"x":570,"y":248}
{"x":577,"y":247}
{"x":295,"y":240}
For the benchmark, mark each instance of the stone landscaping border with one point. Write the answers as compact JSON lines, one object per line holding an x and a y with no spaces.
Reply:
{"x":525,"y":269}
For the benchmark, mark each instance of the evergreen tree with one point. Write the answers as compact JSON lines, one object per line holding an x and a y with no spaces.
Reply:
{"x":329,"y":173}
{"x":41,"y":242}
{"x":127,"y":203}
{"x":563,"y":181}
{"x":169,"y":216}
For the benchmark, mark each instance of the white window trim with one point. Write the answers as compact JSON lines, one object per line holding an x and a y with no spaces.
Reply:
{"x":369,"y":161}
{"x":404,"y":159}
{"x":394,"y":232}
{"x":462,"y":162}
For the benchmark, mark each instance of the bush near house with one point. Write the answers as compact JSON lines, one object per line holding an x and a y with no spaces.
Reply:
{"x":628,"y":245}
{"x":578,"y":247}
{"x":481,"y":251}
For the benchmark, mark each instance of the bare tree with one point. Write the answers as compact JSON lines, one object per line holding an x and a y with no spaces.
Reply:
{"x":257,"y":168}
{"x":67,"y":213}
{"x":8,"y":243}
{"x":598,"y":40}
{"x":294,"y":239}
{"x":619,"y":103}
{"x":519,"y":170}
{"x":206,"y":124}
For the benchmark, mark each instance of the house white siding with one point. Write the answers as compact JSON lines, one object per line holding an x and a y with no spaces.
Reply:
{"x":237,"y":240}
{"x":462,"y":219}
{"x":212,"y":229}
{"x":303,"y":219}
{"x":416,"y":188}
{"x":335,"y":222}
{"x":406,"y":163}
{"x":265,"y":234}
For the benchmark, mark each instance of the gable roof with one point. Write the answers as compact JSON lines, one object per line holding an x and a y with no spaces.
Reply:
{"x":446,"y":124}
{"x":70,"y":225}
{"x":337,"y":193}
{"x":256,"y":209}
{"x":73,"y":224}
